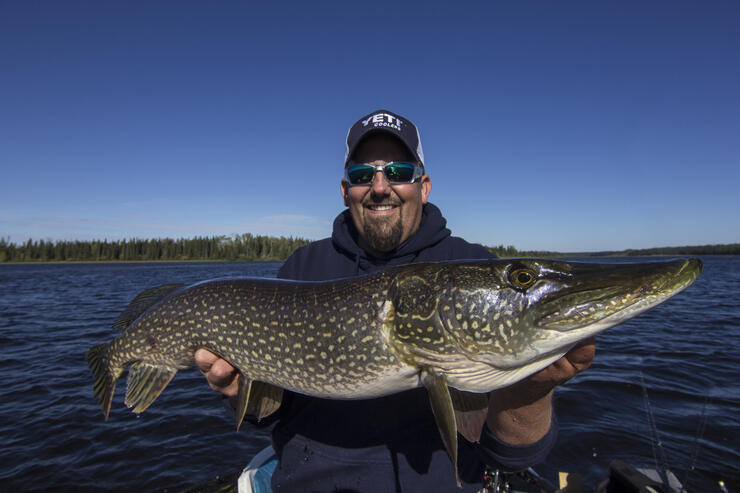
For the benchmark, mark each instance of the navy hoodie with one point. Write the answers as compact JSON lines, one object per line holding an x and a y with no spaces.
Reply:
{"x":389,"y":443}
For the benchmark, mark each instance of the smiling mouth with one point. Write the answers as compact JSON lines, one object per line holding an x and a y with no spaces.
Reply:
{"x":380,"y":207}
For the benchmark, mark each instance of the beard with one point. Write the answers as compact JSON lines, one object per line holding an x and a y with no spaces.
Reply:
{"x":383,"y":236}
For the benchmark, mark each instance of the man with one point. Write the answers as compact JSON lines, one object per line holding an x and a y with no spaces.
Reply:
{"x":392,"y":443}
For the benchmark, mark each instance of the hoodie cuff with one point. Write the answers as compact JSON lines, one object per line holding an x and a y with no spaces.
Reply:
{"x":512,"y":458}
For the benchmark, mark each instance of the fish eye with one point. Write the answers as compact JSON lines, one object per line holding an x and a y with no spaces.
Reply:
{"x":522,"y":278}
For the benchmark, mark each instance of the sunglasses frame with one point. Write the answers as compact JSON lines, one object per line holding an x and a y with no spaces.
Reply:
{"x":418,"y":173}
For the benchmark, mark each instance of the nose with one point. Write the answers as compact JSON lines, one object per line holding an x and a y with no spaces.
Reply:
{"x":380,"y":185}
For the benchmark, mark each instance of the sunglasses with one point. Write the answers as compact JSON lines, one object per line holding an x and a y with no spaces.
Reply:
{"x":395,"y":173}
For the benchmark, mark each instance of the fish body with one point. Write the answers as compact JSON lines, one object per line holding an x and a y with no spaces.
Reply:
{"x":460,"y":329}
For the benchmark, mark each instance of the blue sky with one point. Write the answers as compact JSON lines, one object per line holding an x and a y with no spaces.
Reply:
{"x":570,"y":126}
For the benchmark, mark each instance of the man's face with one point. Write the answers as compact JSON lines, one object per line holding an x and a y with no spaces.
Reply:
{"x":385,"y":215}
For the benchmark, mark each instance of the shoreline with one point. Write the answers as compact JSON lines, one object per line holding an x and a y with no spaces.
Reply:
{"x":184,"y":261}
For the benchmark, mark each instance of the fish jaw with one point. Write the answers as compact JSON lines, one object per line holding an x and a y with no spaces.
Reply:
{"x":510,"y":332}
{"x":627,"y":292}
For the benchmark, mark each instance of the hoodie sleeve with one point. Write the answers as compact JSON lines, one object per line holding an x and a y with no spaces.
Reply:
{"x":511,"y":458}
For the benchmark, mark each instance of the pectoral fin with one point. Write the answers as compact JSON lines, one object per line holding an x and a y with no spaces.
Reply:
{"x":444,"y":414}
{"x":256,"y":398}
{"x":471,"y":411}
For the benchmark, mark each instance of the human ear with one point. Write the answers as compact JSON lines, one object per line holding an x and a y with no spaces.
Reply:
{"x":426,"y":188}
{"x":344,"y":189}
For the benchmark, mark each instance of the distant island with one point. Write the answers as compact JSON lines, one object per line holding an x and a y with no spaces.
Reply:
{"x":249,"y":247}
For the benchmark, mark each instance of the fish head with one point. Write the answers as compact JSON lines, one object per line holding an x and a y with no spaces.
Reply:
{"x":510,"y":313}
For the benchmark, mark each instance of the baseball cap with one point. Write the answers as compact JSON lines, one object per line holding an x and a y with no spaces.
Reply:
{"x":385,"y":121}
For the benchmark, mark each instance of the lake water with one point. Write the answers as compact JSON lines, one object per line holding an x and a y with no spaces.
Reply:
{"x":675,"y":366}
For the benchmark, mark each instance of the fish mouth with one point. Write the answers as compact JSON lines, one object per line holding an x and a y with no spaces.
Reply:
{"x":591,"y":304}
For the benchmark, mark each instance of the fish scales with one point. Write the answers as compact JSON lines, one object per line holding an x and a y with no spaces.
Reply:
{"x":460,"y":329}
{"x":324,"y":345}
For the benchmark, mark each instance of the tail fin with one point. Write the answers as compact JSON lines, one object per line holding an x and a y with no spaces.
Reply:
{"x":105,"y":380}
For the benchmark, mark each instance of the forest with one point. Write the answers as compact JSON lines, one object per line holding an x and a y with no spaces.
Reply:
{"x":245,"y":247}
{"x":249,"y":247}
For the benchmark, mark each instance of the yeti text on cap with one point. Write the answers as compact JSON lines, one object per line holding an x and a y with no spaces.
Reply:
{"x":383,"y":120}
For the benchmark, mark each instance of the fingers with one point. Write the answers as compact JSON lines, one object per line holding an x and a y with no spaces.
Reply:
{"x":205,"y":359}
{"x":221,"y":376}
{"x":582,"y":354}
{"x":575,"y":361}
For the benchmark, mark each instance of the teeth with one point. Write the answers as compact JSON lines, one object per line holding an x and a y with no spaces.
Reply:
{"x":381,"y":207}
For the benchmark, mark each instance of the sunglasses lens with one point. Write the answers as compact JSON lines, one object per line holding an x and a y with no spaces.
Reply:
{"x":361,"y":174}
{"x":399,"y":172}
{"x":396,"y":173}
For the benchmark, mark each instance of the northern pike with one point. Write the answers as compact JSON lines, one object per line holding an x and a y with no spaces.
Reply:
{"x":460,"y":329}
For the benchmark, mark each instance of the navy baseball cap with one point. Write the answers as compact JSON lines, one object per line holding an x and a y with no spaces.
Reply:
{"x":385,"y":121}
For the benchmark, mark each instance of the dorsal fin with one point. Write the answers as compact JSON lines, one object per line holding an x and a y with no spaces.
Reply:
{"x":141,"y":303}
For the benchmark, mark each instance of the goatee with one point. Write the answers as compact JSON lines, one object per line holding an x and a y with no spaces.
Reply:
{"x":383,"y":237}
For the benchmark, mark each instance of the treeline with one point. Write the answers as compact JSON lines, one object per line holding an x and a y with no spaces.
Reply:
{"x":727,"y":249}
{"x":239,"y":247}
{"x":510,"y":251}
{"x":250,"y":247}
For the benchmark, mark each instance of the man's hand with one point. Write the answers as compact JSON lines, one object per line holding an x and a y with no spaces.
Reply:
{"x":221,"y":376}
{"x":520,"y":414}
{"x":575,"y":361}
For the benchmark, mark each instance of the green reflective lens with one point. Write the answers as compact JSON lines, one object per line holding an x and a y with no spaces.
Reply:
{"x":399,"y":172}
{"x":361,"y":174}
{"x":395,"y":173}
